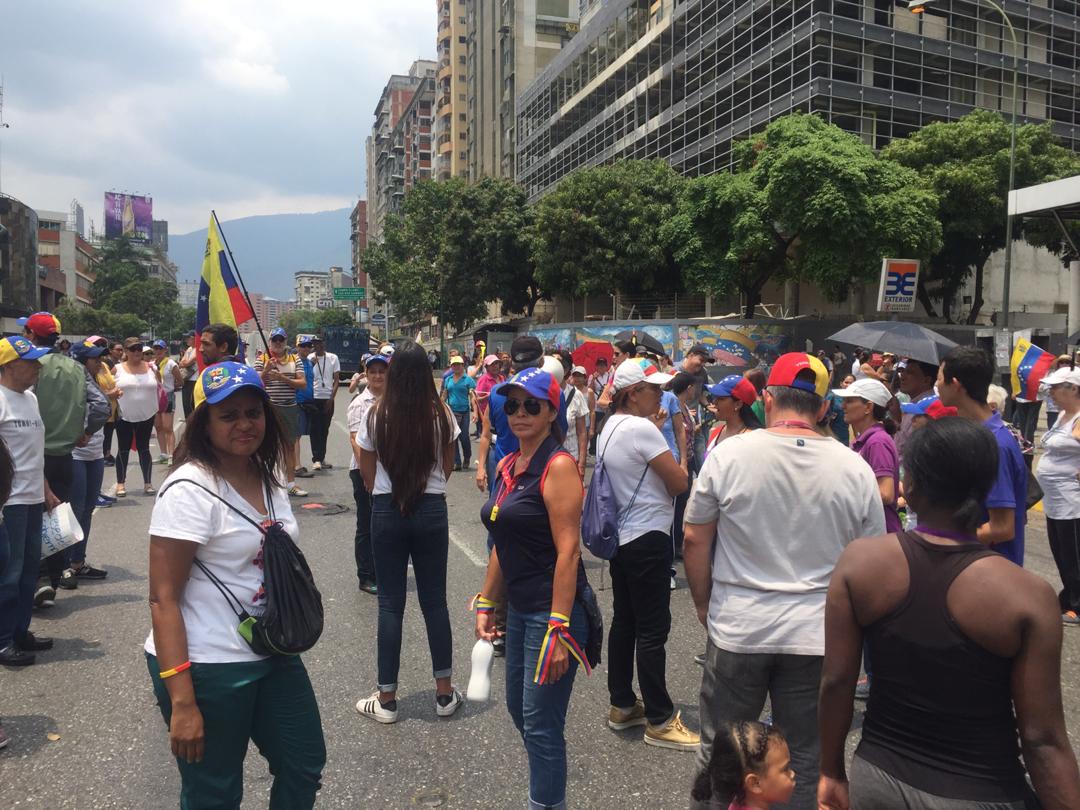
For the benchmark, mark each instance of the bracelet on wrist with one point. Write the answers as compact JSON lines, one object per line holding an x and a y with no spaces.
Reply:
{"x":481,"y":604}
{"x":168,"y":673}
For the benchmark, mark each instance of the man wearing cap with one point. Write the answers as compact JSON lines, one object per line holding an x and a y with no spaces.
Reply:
{"x":770,"y":514}
{"x":304,"y":396}
{"x":458,"y":390}
{"x":73,"y":408}
{"x":23,"y":433}
{"x":325,"y":368}
{"x":375,"y":368}
{"x":963,"y":382}
{"x":189,"y":368}
{"x":491,"y":377}
{"x":283,"y":376}
{"x":917,"y":381}
{"x":171,"y":378}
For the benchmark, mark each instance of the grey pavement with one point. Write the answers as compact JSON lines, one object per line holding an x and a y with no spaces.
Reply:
{"x":86,"y":733}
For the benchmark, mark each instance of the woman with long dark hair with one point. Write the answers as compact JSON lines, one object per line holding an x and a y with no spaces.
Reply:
{"x":138,"y":384}
{"x":966,"y":648}
{"x":214,"y":691}
{"x":406,"y":456}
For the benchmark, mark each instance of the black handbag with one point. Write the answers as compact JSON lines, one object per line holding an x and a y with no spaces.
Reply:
{"x":293,"y":620}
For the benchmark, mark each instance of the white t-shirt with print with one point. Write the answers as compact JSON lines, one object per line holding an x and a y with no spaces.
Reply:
{"x":578,"y":406}
{"x":229,"y":546}
{"x":23,"y":432}
{"x":356,"y":416}
{"x":324,"y":371}
{"x":627,"y":444}
{"x":436,"y":483}
{"x":786,"y":506}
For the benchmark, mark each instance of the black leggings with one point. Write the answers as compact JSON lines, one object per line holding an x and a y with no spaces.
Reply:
{"x":141,"y":431}
{"x":110,"y":428}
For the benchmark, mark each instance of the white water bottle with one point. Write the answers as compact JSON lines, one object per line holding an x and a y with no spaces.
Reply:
{"x":483,"y":654}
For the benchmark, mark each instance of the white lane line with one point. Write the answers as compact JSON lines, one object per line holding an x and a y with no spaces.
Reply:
{"x":474,"y":556}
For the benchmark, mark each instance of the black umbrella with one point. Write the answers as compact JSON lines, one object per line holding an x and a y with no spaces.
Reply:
{"x":642,"y":338}
{"x":899,"y":337}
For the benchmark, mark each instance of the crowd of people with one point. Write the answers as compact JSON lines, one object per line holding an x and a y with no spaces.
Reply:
{"x":848,"y":532}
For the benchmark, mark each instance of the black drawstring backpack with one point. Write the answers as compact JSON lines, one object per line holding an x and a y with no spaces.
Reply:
{"x":293,"y":619}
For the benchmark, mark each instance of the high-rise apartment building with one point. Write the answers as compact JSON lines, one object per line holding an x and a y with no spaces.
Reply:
{"x":67,"y":259}
{"x":681,"y":80}
{"x":509,"y":44}
{"x":451,"y":92}
{"x":268,"y":311}
{"x":386,"y":148}
{"x":358,"y":236}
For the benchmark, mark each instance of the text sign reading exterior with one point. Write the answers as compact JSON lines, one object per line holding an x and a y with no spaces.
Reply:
{"x":350,"y":293}
{"x":899,"y":281}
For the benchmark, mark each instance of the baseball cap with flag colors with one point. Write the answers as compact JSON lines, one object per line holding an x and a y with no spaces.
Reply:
{"x":636,"y":370}
{"x":536,"y":382}
{"x":222,"y":380}
{"x":41,"y":324}
{"x":19,"y":348}
{"x":787,"y":367}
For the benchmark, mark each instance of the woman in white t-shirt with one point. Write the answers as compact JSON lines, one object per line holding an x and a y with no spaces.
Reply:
{"x":138,"y":384}
{"x":644,"y":478}
{"x":171,"y":379}
{"x":406,"y":454}
{"x":375,"y":368}
{"x":213,"y":690}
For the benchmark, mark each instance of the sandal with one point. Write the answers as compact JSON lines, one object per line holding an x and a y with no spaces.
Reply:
{"x":120,"y":491}
{"x":148,"y":489}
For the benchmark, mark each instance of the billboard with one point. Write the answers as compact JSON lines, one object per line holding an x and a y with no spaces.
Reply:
{"x":128,"y":215}
{"x":899,"y":283}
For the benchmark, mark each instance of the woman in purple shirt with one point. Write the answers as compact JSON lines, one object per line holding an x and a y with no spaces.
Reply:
{"x":865,"y":410}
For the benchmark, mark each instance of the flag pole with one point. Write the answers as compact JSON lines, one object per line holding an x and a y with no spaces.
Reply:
{"x":240,"y":280}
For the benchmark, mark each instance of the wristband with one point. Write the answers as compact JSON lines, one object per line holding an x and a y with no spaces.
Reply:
{"x":168,"y":673}
{"x":558,"y":632}
{"x":481,"y":604}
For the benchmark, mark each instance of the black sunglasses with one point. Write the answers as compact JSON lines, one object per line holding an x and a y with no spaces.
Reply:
{"x":532,"y":406}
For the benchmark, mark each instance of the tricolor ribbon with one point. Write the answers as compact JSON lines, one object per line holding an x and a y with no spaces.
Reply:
{"x":558,"y":631}
{"x":482,"y":604}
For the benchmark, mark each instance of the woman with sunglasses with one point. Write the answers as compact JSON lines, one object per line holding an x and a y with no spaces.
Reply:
{"x":406,"y":456}
{"x":137,"y":381}
{"x":732,"y":400}
{"x":534,"y":515}
{"x":644,"y":478}
{"x":214,"y":691}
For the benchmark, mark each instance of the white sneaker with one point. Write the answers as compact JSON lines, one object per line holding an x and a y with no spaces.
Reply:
{"x":371,"y":707}
{"x":296,"y":492}
{"x":452,"y":706}
{"x":674,"y":584}
{"x":316,"y":465}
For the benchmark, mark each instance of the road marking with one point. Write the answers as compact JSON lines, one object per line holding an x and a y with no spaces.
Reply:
{"x":474,"y":557}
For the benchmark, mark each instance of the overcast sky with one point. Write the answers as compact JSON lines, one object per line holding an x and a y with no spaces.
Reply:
{"x":246,"y":106}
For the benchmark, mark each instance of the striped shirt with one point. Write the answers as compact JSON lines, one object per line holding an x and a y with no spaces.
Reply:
{"x":279,"y":391}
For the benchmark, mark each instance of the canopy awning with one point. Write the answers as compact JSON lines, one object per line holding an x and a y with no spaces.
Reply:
{"x":1058,"y":200}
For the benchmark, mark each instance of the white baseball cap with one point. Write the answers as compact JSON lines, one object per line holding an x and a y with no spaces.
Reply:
{"x":1062,"y":375}
{"x":868,"y":389}
{"x":578,"y":370}
{"x":638,"y":369}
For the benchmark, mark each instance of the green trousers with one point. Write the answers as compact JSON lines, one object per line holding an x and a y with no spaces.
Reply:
{"x":270,"y":702}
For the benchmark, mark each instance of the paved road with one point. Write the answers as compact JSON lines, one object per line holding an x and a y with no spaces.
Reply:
{"x":93,"y":692}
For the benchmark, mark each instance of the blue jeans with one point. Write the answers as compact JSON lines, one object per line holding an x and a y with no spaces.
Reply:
{"x":463,"y":445}
{"x":539,"y":710}
{"x":19,"y":578}
{"x":86,"y":477}
{"x":423,"y":535}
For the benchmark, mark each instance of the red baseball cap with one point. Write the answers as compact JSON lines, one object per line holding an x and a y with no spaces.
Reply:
{"x":788,"y":366}
{"x":41,"y":324}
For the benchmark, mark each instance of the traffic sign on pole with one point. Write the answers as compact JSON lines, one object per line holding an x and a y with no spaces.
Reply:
{"x":350,"y":293}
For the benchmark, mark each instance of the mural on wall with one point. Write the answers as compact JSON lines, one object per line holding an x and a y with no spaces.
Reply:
{"x":740,"y":345}
{"x":563,"y":337}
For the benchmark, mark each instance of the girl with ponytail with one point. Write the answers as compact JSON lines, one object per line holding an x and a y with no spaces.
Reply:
{"x":749,"y":769}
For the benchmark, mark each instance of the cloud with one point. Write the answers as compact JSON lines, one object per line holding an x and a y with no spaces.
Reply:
{"x":247,"y":107}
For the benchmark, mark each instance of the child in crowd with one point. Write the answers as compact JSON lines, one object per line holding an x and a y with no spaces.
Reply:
{"x":750,"y":767}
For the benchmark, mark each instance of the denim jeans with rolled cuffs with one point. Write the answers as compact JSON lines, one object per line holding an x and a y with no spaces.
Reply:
{"x":424,"y":536}
{"x":86,"y":478}
{"x":18,"y":579}
{"x":539,"y":710}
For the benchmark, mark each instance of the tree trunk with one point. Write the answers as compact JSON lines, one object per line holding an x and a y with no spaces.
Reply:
{"x":924,"y":299}
{"x":977,"y":301}
{"x":751,"y":299}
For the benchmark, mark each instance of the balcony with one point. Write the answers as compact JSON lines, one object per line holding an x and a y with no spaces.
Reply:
{"x":446,"y":147}
{"x":445,"y":72}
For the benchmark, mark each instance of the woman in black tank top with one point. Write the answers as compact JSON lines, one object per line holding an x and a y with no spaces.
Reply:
{"x":966,"y":649}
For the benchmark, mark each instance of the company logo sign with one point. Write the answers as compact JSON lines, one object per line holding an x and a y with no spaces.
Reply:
{"x":899,"y":283}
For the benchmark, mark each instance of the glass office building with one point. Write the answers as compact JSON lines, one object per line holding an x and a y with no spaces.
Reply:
{"x":682,"y":79}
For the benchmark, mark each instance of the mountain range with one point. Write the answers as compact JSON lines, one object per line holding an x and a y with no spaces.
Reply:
{"x":269,"y":249}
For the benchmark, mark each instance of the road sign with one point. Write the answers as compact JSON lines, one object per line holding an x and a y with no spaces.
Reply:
{"x":350,"y":293}
{"x":379,"y":318}
{"x":899,"y":281}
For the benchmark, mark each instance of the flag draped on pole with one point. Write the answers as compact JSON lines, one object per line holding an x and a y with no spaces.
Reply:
{"x":1029,"y":365}
{"x":220,"y":298}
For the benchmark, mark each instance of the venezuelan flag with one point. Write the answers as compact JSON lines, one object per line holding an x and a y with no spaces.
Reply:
{"x":220,"y":298}
{"x":1029,"y":365}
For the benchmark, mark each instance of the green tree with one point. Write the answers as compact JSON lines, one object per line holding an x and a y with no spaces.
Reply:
{"x":600,"y":230}
{"x":807,"y":201}
{"x":115,"y":266}
{"x":966,"y":164}
{"x":334,"y":316}
{"x":299,"y":321}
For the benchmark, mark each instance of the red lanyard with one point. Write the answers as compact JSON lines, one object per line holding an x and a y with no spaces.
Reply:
{"x":508,"y":482}
{"x":794,"y":423}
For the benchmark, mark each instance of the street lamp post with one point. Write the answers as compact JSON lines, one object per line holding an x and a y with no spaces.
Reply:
{"x":917,"y":7}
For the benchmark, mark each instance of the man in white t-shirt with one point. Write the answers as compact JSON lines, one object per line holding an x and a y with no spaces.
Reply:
{"x":375,"y":368}
{"x":769,"y":516}
{"x":325,"y":368}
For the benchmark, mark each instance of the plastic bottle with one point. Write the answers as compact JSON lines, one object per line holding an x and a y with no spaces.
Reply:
{"x":483,"y":653}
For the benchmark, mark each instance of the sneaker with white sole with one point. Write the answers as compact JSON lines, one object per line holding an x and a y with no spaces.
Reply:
{"x":45,"y":596}
{"x":296,"y":492}
{"x":316,"y":465}
{"x":376,"y":710}
{"x":673,"y":735}
{"x":619,"y":719}
{"x":446,"y":705}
